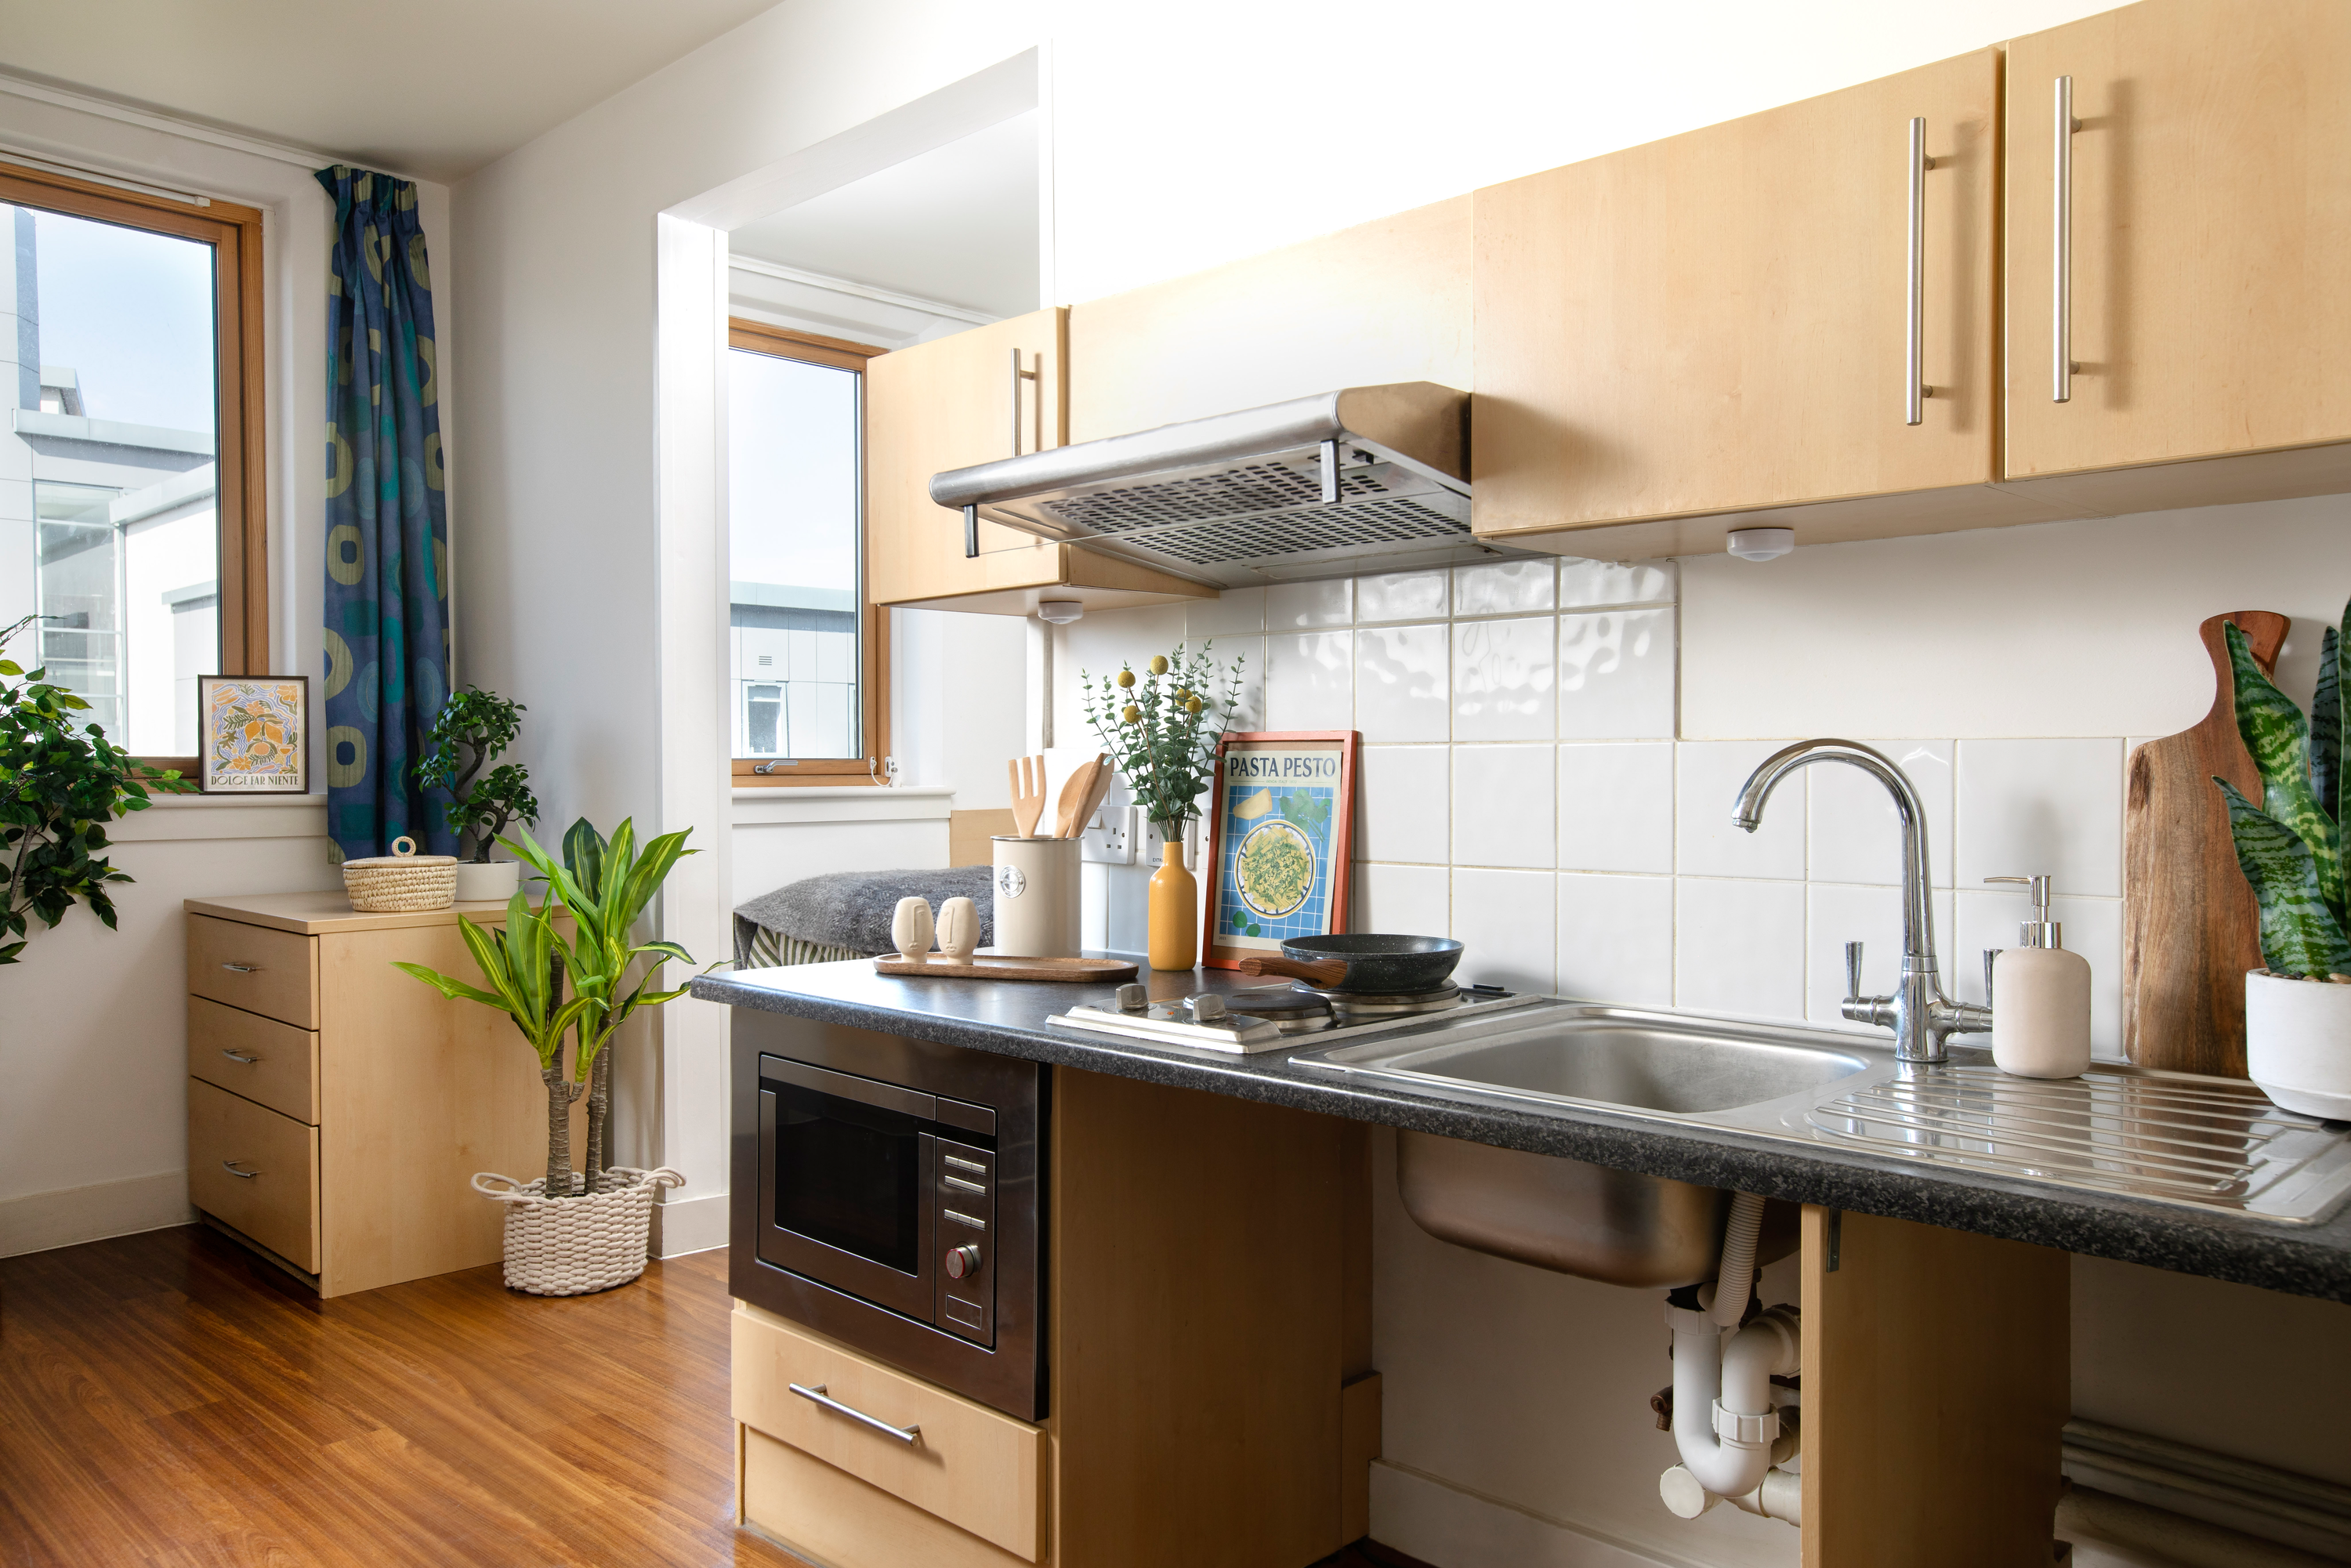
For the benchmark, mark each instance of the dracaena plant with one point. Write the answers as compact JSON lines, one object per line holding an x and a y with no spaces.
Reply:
{"x":2290,"y":845}
{"x":605,"y":886}
{"x":60,"y":784}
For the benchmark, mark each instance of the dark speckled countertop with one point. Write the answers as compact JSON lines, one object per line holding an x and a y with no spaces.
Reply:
{"x":1009,"y":1018}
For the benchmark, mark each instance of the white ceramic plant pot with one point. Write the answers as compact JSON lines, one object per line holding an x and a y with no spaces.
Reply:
{"x":2298,"y":1043}
{"x":494,"y":883}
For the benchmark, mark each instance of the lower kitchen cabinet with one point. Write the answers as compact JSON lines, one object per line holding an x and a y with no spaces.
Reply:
{"x":1210,"y":1397}
{"x":337,"y":1109}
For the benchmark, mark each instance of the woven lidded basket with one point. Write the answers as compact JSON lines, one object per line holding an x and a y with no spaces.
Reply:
{"x":569,"y":1246}
{"x":402,"y":883}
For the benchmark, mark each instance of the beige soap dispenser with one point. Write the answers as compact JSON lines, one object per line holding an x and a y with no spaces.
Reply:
{"x":2040,"y":998}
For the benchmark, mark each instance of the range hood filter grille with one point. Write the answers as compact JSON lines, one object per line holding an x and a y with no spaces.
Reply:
{"x":1196,"y":497}
{"x":1288,"y":533}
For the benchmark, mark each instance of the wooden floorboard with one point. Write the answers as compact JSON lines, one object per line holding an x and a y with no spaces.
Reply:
{"x":170,"y":1401}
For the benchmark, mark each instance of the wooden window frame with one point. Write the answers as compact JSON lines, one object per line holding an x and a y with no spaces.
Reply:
{"x":241,"y":419}
{"x":873,"y":664}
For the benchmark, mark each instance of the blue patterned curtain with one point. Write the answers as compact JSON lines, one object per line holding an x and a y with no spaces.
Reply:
{"x":387,"y":619}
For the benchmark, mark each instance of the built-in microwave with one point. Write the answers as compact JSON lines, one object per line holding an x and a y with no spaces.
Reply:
{"x":887,"y":1192}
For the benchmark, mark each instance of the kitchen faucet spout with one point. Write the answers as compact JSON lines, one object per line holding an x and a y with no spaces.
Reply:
{"x":1918,"y":1013}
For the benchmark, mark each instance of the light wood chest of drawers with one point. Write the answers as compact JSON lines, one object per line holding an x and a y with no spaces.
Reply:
{"x":337,"y":1108}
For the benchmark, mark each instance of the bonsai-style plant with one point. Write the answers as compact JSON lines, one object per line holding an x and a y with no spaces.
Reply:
{"x":59,"y":785}
{"x":2290,"y":847}
{"x":471,"y":731}
{"x":1162,"y":726}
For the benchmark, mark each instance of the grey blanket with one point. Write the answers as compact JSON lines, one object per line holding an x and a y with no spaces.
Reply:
{"x":846,"y":915}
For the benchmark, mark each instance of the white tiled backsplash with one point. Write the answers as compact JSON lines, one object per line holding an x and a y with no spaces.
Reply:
{"x":1522,"y":790}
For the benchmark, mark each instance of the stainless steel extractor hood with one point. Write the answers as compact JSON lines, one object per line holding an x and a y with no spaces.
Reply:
{"x":1365,"y":479}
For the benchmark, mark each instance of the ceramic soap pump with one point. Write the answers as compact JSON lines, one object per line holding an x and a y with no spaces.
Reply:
{"x":2040,"y":998}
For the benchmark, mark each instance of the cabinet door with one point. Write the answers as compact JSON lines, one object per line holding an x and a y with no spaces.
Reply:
{"x":1719,"y":322}
{"x":2211,"y":214}
{"x":949,"y":403}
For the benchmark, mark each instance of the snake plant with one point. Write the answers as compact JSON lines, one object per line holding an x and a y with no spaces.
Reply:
{"x":2290,"y":846}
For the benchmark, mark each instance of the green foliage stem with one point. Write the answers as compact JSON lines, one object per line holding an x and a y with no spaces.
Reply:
{"x":1168,"y":749}
{"x":60,"y":787}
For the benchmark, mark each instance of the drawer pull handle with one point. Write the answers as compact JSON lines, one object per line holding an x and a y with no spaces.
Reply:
{"x":239,"y":1056}
{"x":816,"y":1396}
{"x":242,"y":968}
{"x":230,"y":1166}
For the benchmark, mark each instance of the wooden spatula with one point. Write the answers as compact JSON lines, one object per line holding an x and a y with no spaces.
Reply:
{"x":1028,"y":792}
{"x":1081,"y":795}
{"x":2190,"y":928}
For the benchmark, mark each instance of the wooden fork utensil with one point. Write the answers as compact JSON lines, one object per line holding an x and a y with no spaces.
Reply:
{"x":1028,"y":792}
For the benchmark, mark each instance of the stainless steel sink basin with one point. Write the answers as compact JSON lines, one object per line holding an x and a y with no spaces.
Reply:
{"x":2165,"y":1137}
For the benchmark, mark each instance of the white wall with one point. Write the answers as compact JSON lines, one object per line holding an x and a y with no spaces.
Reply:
{"x":93,"y":1132}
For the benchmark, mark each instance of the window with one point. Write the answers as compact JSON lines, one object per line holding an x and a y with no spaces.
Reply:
{"x":131,"y":361}
{"x":804,"y":648}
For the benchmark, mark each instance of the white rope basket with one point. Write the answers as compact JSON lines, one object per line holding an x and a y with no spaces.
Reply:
{"x":402,"y":883}
{"x":570,"y":1245}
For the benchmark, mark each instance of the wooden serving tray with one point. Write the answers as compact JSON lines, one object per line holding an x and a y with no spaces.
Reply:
{"x":980,"y":966}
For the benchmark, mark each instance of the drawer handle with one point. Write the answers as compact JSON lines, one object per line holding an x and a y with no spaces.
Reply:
{"x":239,"y":1056}
{"x":816,"y":1396}
{"x":230,"y":1166}
{"x":242,"y":968}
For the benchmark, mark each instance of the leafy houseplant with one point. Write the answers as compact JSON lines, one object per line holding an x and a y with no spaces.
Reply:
{"x":2297,"y":1024}
{"x":573,"y":1231}
{"x":1163,"y":727}
{"x":472,"y":729}
{"x":60,"y":787}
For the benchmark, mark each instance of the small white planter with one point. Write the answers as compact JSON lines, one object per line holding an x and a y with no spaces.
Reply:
{"x":2298,"y":1043}
{"x":570,"y":1245}
{"x":491,"y":883}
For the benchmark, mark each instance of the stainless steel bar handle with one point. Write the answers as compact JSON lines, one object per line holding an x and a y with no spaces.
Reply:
{"x":2061,"y":248}
{"x":230,"y":1166}
{"x":239,"y":1056}
{"x":1915,"y":391}
{"x":242,"y":968}
{"x":816,"y":1396}
{"x":1015,"y":402}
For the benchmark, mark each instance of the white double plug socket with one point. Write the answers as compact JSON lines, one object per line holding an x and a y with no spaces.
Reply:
{"x":1110,"y":839}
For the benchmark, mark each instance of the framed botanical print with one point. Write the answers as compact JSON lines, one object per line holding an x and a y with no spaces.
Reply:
{"x":253,"y":735}
{"x":1283,"y":839}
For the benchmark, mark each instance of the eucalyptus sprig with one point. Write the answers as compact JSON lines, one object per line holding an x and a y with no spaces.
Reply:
{"x":1162,"y":726}
{"x":59,"y":785}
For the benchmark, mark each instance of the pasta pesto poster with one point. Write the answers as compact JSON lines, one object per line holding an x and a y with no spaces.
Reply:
{"x":1279,"y":861}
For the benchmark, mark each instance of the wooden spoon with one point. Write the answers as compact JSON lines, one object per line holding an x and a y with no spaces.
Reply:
{"x":1320,"y":972}
{"x":1081,"y":797}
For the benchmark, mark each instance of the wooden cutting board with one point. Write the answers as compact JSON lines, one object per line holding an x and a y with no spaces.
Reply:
{"x":2191,"y":929}
{"x":980,"y":967}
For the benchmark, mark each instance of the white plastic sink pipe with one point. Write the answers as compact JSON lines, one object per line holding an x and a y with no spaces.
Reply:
{"x":1724,"y":1423}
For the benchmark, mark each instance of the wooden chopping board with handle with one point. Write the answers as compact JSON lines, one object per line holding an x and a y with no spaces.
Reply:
{"x":2191,"y":929}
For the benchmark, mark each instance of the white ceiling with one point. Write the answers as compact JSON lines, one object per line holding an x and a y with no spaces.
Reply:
{"x":433,"y":89}
{"x":956,"y":224}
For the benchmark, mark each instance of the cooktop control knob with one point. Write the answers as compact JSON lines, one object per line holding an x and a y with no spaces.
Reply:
{"x":963,"y":1261}
{"x":1206,"y":1008}
{"x":1133,"y":998}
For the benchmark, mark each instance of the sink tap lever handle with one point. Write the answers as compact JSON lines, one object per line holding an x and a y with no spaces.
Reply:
{"x":1853,"y":971}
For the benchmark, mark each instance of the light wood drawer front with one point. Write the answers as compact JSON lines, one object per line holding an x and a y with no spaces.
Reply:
{"x":272,"y":1063}
{"x":262,"y":970}
{"x":277,"y":1205}
{"x":977,"y":1468}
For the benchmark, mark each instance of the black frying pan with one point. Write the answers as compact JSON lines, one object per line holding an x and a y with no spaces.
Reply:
{"x":1371,"y":964}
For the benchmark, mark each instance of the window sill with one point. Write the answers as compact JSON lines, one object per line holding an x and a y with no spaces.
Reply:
{"x":862,"y":803}
{"x":177,"y":818}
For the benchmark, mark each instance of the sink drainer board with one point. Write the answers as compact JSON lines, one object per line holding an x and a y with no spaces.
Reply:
{"x":2213,"y":1142}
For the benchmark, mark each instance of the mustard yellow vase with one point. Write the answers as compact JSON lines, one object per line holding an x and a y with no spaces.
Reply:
{"x":1175,"y":910}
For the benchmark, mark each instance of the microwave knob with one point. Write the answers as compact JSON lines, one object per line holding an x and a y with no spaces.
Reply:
{"x":963,"y":1261}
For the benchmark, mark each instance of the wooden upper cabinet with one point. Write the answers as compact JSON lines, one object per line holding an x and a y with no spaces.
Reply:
{"x":1719,"y":322}
{"x":949,"y":403}
{"x":2211,"y":219}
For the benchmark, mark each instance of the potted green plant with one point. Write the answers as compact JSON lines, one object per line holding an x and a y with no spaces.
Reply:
{"x":60,"y":787}
{"x":1162,"y":726}
{"x":2298,"y":1006}
{"x":568,"y":1233}
{"x":472,"y":730}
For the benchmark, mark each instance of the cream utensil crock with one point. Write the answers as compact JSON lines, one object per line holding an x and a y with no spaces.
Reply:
{"x":1037,"y":897}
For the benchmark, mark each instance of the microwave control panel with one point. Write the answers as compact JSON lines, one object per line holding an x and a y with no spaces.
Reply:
{"x":965,"y":1225}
